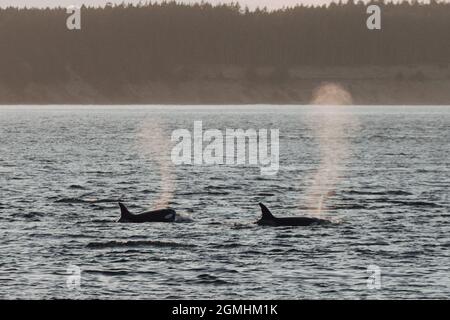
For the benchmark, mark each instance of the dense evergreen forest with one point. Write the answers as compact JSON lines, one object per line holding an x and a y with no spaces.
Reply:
{"x":140,"y":43}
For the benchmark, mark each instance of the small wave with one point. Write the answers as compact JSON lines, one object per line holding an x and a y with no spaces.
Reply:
{"x":33,"y":215}
{"x":76,"y":187}
{"x":80,"y":200}
{"x":140,"y":243}
{"x":277,"y":250}
{"x":146,"y":191}
{"x":210,"y":279}
{"x":107,"y":272}
{"x":417,"y":203}
{"x":237,"y":187}
{"x":347,"y":207}
{"x":205,"y":193}
{"x":411,"y":203}
{"x":227,"y":245}
{"x":239,"y":225}
{"x":266,"y":194}
{"x":252,"y":252}
{"x":101,"y":221}
{"x":412,"y":254}
{"x":183,"y":218}
{"x":263,"y":178}
{"x":98,"y":208}
{"x":334,"y":221}
{"x":189,"y":193}
{"x":217,"y":193}
{"x":381,"y":193}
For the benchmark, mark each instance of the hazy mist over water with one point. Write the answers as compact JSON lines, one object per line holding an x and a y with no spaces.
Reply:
{"x":63,"y":169}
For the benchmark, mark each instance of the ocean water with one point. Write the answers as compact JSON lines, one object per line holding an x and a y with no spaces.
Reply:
{"x":381,"y":174}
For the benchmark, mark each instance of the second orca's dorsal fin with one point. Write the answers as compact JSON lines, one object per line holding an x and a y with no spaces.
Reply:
{"x":266,"y":214}
{"x":124,"y":213}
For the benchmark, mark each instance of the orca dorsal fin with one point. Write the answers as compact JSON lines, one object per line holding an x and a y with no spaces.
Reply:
{"x":124,"y":213}
{"x":266,"y":214}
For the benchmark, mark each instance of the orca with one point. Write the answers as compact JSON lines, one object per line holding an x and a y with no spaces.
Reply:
{"x":268,"y":219}
{"x":163,"y":215}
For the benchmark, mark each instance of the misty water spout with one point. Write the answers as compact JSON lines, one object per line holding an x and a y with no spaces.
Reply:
{"x":155,"y":145}
{"x":329,"y":124}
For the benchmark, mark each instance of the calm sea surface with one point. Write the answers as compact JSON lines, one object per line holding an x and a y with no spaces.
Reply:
{"x":381,"y":174}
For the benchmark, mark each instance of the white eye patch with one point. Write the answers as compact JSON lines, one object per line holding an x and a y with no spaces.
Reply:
{"x":169,"y":216}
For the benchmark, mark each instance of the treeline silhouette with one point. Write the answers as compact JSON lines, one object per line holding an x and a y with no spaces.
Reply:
{"x":138,"y":43}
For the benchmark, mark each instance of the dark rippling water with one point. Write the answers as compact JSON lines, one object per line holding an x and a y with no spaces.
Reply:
{"x":63,"y":169}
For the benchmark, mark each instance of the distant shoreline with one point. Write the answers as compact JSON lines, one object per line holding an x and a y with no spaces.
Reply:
{"x":198,"y":53}
{"x":396,"y":85}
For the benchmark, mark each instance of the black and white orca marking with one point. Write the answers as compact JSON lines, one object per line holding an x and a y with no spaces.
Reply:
{"x":268,"y":219}
{"x":163,"y":215}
